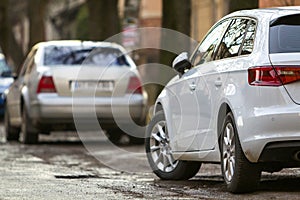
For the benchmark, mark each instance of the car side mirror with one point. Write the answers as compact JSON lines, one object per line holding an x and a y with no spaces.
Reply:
{"x":181,"y":62}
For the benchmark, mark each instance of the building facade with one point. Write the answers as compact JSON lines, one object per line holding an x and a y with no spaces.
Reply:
{"x":276,"y":3}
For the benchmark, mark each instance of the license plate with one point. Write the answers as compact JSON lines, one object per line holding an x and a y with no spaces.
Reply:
{"x":92,"y":85}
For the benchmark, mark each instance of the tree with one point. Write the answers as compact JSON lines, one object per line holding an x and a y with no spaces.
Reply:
{"x":36,"y":15}
{"x":104,"y":19}
{"x":35,"y":10}
{"x":9,"y":45}
{"x":82,"y":21}
{"x":4,"y":26}
{"x":235,"y":5}
{"x":177,"y":17}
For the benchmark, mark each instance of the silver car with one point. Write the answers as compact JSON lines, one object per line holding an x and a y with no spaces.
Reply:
{"x":59,"y":77}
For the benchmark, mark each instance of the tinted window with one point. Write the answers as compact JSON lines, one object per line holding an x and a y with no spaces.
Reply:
{"x":285,"y":34}
{"x":206,"y":50}
{"x":233,"y":39}
{"x":249,"y":39}
{"x":72,"y":55}
{"x":106,"y":57}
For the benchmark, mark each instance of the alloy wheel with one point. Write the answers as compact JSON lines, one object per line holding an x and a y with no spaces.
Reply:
{"x":160,"y":148}
{"x":228,"y":152}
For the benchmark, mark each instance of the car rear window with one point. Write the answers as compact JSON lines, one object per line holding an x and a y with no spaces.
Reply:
{"x":72,"y":55}
{"x":285,"y":34}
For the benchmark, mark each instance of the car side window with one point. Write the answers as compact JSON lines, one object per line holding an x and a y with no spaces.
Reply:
{"x":248,"y":44}
{"x":207,"y":48}
{"x":233,"y":39}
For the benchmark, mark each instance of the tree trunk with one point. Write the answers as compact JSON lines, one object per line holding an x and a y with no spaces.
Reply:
{"x":36,"y":15}
{"x":235,"y":5}
{"x":4,"y":26}
{"x":104,"y":19}
{"x":177,"y":17}
{"x":9,"y":45}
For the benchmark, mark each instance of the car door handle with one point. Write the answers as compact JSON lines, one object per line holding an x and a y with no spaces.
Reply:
{"x":193,"y":87}
{"x":218,"y":83}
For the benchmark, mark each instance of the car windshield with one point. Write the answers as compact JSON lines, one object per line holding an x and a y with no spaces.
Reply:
{"x":72,"y":55}
{"x":285,"y":34}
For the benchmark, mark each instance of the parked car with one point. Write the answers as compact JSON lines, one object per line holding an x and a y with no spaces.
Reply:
{"x":5,"y":81}
{"x":56,"y":74}
{"x":235,"y":102}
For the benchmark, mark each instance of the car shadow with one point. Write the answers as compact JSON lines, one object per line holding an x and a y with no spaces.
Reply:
{"x":269,"y":183}
{"x":69,"y":143}
{"x":280,"y":183}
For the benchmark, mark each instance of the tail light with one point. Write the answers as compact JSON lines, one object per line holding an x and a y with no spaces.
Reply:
{"x":273,"y":75}
{"x":46,"y":85}
{"x":134,"y":86}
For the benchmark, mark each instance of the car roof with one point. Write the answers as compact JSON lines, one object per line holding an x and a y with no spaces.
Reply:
{"x":267,"y":13}
{"x":78,"y":43}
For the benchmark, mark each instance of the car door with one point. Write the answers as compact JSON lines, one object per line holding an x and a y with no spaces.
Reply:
{"x":14,"y":94}
{"x":212,"y":78}
{"x":190,"y":114}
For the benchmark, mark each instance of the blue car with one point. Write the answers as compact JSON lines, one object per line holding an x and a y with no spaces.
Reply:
{"x":5,"y":81}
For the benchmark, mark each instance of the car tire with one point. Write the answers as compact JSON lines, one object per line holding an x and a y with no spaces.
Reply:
{"x":12,"y":133}
{"x":29,"y":133}
{"x":159,"y":153}
{"x":114,"y":135}
{"x":135,"y":140}
{"x":239,"y":174}
{"x":119,"y":137}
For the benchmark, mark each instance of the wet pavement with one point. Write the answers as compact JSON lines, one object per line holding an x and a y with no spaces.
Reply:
{"x":61,"y":167}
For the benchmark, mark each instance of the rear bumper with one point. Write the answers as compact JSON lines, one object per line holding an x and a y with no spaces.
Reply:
{"x":51,"y":109}
{"x":287,"y":153}
{"x":264,"y":127}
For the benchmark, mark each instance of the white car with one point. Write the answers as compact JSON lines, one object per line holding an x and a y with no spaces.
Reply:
{"x":62,"y":80}
{"x":236,"y":102}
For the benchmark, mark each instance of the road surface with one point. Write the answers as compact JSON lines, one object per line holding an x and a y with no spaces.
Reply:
{"x":62,"y":167}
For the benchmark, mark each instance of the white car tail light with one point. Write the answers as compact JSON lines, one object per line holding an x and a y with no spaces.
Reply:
{"x":273,"y":75}
{"x":134,"y":86}
{"x":46,"y":85}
